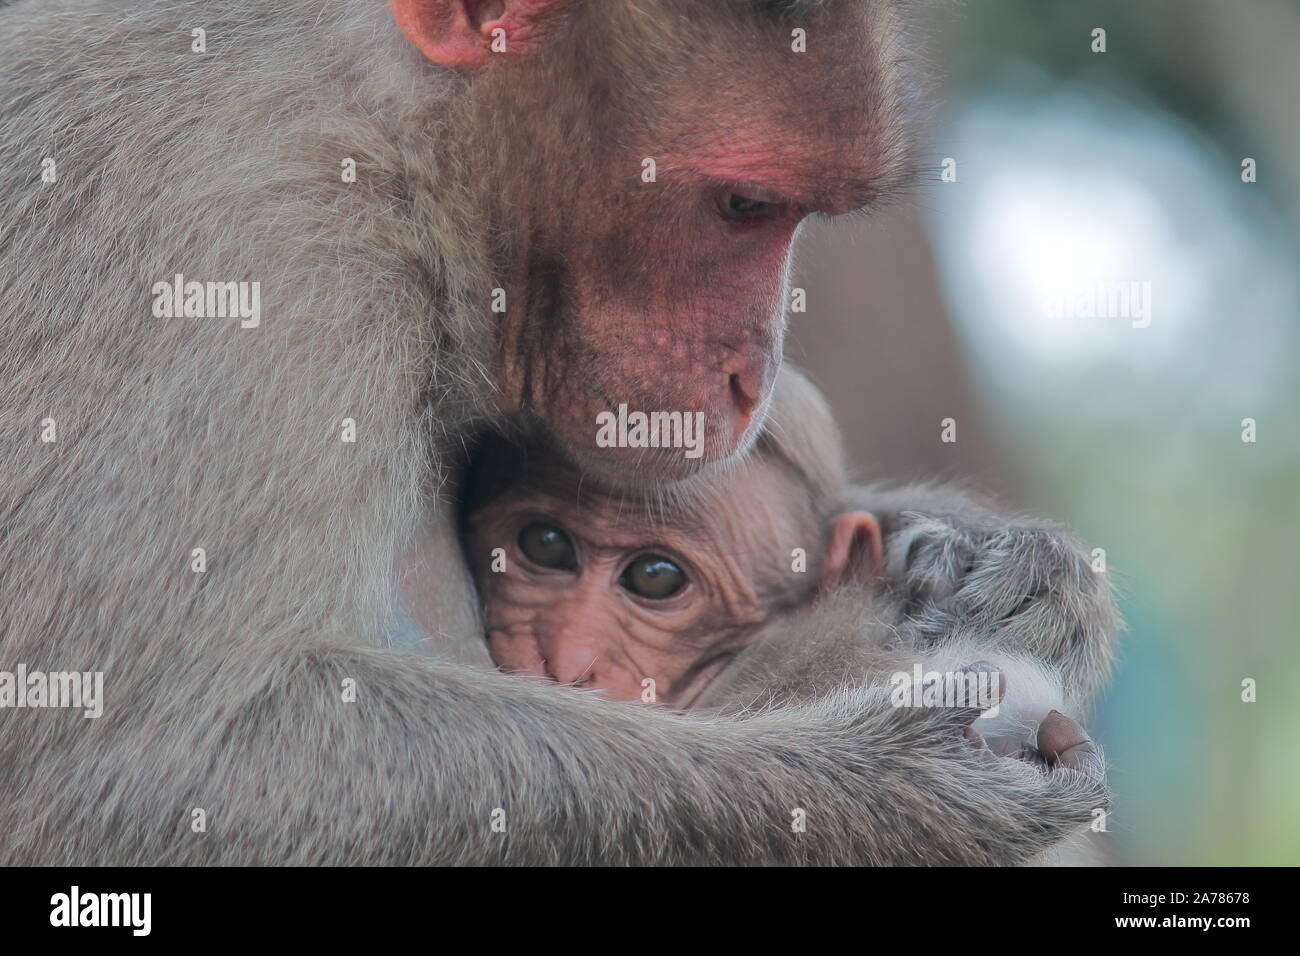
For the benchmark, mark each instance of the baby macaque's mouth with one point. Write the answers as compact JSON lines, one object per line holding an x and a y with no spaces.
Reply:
{"x":687,"y":691}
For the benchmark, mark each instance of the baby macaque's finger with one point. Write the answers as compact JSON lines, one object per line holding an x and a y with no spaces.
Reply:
{"x":997,"y":680}
{"x":980,"y":685}
{"x":1016,"y":749}
{"x":960,"y":697}
{"x":1063,"y":743}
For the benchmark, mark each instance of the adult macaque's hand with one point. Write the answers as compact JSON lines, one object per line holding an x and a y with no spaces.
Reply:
{"x":1063,"y":743}
{"x":1062,"y":747}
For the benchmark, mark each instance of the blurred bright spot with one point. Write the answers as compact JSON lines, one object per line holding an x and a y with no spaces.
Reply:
{"x":1078,"y":191}
{"x":1133,"y":435}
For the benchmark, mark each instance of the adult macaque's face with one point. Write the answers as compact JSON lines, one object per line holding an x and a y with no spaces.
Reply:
{"x":597,"y":596}
{"x":660,"y":188}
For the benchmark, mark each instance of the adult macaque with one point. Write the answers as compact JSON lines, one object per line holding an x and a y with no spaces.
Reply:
{"x":212,"y":515}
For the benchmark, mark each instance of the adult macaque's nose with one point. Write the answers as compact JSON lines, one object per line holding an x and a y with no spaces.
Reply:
{"x":749,"y":374}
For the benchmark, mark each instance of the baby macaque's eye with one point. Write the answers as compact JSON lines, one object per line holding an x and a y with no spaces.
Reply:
{"x":548,"y":547}
{"x":652,"y":576}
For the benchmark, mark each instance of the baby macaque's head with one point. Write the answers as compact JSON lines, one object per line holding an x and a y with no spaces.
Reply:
{"x":611,"y":590}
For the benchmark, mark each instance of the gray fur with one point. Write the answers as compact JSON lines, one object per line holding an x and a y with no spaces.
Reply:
{"x":963,"y":583}
{"x":224,"y":689}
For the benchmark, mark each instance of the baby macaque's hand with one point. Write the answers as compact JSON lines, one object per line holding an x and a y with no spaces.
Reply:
{"x":1027,"y":586}
{"x":992,"y":568}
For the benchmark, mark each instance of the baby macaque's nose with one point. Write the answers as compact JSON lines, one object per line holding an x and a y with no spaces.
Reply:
{"x":570,"y":658}
{"x":568,"y":670}
{"x":587,"y":664}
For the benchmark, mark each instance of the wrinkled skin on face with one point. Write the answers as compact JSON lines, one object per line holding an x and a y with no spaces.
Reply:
{"x":604,"y":592}
{"x":645,"y":205}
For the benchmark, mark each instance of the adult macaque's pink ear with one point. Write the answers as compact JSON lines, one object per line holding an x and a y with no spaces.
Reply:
{"x":856,"y":550}
{"x":465,"y":33}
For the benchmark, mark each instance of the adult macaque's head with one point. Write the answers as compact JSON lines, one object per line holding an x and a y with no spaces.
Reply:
{"x":587,"y":586}
{"x":646,"y":166}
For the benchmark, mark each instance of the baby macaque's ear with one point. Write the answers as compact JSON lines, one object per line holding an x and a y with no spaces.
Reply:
{"x":856,"y":552}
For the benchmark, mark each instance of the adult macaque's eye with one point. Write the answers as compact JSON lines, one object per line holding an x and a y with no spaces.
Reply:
{"x":652,"y":576}
{"x":548,"y":547}
{"x":739,"y":206}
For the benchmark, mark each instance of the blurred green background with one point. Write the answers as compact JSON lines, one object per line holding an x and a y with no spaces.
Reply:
{"x":1077,"y":167}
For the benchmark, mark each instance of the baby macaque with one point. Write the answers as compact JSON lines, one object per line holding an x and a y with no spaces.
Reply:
{"x":651,"y":598}
{"x":820,"y":583}
{"x":776,"y":583}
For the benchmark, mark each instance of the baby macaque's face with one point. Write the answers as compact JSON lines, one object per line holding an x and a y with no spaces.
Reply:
{"x":609,"y":594}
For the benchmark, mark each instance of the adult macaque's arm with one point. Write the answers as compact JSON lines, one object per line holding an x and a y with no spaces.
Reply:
{"x":543,"y":775}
